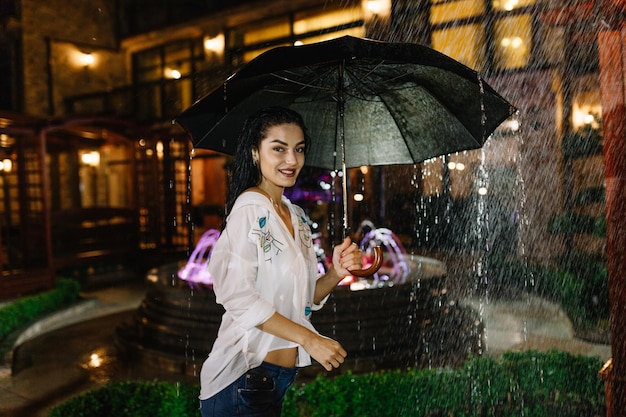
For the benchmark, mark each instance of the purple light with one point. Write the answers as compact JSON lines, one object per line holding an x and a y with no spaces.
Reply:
{"x":196,"y":269}
{"x":395,"y":268}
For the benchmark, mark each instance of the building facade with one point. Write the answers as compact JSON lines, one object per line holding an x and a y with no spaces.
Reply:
{"x":93,"y":86}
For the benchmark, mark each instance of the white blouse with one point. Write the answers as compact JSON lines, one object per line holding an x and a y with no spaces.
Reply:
{"x":258,"y":268}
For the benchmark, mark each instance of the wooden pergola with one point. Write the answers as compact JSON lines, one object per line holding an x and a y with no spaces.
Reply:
{"x":46,"y":229}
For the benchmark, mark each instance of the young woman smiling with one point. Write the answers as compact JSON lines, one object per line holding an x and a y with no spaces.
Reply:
{"x":265,"y":275}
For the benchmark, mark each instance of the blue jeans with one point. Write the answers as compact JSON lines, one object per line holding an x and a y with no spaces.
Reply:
{"x":258,"y":393}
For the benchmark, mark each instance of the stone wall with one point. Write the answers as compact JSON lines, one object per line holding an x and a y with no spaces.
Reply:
{"x":54,"y":33}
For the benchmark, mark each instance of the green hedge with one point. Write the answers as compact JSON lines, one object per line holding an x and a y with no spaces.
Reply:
{"x":583,"y":143}
{"x":528,"y":383}
{"x":26,"y":310}
{"x":133,"y":399}
{"x":574,"y":223}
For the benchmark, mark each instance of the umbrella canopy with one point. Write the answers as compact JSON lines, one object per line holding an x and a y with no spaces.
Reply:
{"x":365,"y":102}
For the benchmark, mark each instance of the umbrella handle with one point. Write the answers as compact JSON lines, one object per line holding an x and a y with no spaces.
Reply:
{"x":378,"y":261}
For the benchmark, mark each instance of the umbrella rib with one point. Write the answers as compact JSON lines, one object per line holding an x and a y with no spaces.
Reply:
{"x":366,"y":90}
{"x":303,"y":84}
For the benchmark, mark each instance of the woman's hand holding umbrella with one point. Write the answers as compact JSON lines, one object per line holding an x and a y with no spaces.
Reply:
{"x":348,"y":260}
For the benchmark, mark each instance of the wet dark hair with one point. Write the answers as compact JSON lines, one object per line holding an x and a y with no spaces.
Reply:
{"x":245,"y":173}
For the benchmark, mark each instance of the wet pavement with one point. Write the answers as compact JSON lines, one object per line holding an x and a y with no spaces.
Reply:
{"x":74,"y":351}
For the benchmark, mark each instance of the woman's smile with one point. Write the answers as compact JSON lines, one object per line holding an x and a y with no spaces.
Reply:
{"x":281,"y":156}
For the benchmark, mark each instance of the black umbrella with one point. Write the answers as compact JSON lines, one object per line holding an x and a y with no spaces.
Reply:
{"x":365,"y":102}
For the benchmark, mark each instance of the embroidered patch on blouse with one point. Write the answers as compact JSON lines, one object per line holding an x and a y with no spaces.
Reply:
{"x":267,"y":242}
{"x":304,"y":231}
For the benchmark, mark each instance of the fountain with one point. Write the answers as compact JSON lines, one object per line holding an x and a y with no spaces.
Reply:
{"x":402,"y":316}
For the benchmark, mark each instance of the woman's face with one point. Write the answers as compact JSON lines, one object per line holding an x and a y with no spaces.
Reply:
{"x":281,"y":155}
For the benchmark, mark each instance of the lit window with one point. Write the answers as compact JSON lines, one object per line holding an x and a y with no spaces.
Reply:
{"x":443,"y":11}
{"x":508,"y":5}
{"x":512,"y":37}
{"x":464,"y":43}
{"x":587,"y":110}
{"x":459,"y":31}
{"x":266,"y":33}
{"x":306,"y":24}
{"x":171,"y":61}
{"x":358,"y":32}
{"x":308,"y":28}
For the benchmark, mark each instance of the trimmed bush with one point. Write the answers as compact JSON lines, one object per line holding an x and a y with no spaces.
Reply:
{"x":528,"y":383}
{"x":26,"y":310}
{"x":133,"y":399}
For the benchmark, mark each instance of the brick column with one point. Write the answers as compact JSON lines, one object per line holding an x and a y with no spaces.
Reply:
{"x":612,"y":54}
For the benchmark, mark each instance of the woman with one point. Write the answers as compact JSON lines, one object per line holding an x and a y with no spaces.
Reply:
{"x":265,"y":275}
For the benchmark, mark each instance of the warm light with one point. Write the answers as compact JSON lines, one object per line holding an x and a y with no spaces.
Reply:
{"x":581,"y":118}
{"x":459,"y":166}
{"x":586,"y":112}
{"x":172,"y":73}
{"x":86,"y":59}
{"x":91,"y":158}
{"x":6,"y":165}
{"x":95,"y":360}
{"x":364,"y":169}
{"x":159,"y":149}
{"x":482,"y":190}
{"x":298,"y":43}
{"x":215,"y":44}
{"x":510,"y":5}
{"x":377,"y":8}
{"x":358,"y":197}
{"x":514,"y":42}
{"x":4,"y":139}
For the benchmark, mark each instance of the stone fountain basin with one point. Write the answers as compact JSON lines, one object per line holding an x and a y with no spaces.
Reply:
{"x":380,"y":324}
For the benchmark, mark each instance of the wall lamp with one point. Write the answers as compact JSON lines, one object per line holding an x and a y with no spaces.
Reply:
{"x":376,"y":8}
{"x":91,"y":158}
{"x":86,"y":59}
{"x":215,"y":44}
{"x":6,"y":165}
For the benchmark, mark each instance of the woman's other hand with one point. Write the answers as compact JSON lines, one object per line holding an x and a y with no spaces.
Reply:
{"x":328,"y":352}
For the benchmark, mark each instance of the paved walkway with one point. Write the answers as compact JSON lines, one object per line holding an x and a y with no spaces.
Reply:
{"x":56,"y":352}
{"x":59,"y":355}
{"x":530,"y":323}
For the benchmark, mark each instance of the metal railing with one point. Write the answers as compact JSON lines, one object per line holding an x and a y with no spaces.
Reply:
{"x":147,"y":102}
